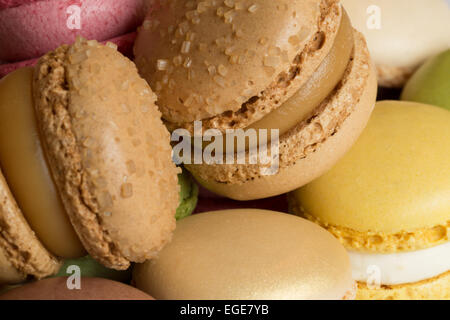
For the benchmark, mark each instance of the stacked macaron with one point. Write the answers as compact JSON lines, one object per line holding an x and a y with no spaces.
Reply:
{"x":388,"y":202}
{"x":31,"y":28}
{"x":250,"y":65}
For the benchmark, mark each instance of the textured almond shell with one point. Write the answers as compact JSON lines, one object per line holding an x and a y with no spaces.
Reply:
{"x":108,"y":151}
{"x":263,"y":36}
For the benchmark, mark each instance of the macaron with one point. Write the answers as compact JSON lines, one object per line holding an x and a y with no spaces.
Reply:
{"x":401,"y":34}
{"x":248,"y":254}
{"x":431,"y":82}
{"x":388,"y":202}
{"x":91,"y":289}
{"x":188,"y":195}
{"x":294,"y":67}
{"x":29,"y":28}
{"x":86,"y":164}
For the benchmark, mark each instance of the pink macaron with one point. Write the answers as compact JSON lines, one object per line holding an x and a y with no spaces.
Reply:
{"x":33,"y":28}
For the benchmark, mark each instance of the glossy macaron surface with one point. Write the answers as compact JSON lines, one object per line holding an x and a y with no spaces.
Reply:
{"x":247,"y":254}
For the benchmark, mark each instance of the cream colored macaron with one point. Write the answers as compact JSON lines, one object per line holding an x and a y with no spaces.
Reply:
{"x":401,"y":34}
{"x":388,"y":202}
{"x":86,"y":164}
{"x":295,"y":67}
{"x":248,"y":254}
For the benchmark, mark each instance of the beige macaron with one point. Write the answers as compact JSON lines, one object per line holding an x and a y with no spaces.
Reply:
{"x":88,"y":145}
{"x":293,"y":66}
{"x":401,"y":34}
{"x":248,"y":254}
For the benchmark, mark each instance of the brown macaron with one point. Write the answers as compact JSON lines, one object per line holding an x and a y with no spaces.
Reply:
{"x":86,"y":164}
{"x":90,"y":289}
{"x":294,"y":66}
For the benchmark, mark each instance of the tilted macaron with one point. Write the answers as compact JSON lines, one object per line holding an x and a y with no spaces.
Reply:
{"x":388,"y":202}
{"x":86,"y":164}
{"x":294,"y":66}
{"x":431,"y":82}
{"x":248,"y":254}
{"x":91,"y":289}
{"x":401,"y":34}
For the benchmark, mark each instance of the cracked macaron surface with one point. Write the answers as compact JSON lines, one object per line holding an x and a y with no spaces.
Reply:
{"x":108,"y":154}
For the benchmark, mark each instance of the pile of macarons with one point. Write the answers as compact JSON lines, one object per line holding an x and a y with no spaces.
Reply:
{"x":352,"y":202}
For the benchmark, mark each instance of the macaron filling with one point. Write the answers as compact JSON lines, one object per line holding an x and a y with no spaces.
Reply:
{"x":400,"y":268}
{"x":302,"y":104}
{"x":23,"y":163}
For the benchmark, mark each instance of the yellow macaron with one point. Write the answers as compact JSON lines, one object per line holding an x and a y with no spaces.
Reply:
{"x":388,"y":202}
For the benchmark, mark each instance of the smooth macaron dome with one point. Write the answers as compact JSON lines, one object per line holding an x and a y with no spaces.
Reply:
{"x":89,"y":139}
{"x":91,"y":289}
{"x":401,"y":36}
{"x":248,"y":254}
{"x":388,"y":202}
{"x":303,"y":55}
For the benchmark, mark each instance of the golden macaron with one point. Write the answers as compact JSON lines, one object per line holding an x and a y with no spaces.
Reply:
{"x":248,"y":254}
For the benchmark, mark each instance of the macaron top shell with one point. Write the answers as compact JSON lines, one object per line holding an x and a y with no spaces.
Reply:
{"x":409,"y":33}
{"x":36,"y":27}
{"x":19,"y":245}
{"x":247,"y":254}
{"x":91,"y":289}
{"x":395,"y":180}
{"x":108,"y":151}
{"x":213,"y":56}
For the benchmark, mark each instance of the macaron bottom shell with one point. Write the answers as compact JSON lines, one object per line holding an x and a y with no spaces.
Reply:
{"x":437,"y":288}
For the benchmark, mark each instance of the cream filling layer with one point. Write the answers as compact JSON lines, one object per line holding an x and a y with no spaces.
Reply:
{"x":25,"y":168}
{"x":400,"y":268}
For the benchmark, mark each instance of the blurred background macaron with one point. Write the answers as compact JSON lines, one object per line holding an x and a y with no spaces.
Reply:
{"x":29,"y":28}
{"x":86,"y":164}
{"x":401,"y":34}
{"x":90,"y":289}
{"x":293,"y":66}
{"x":248,"y":254}
{"x":430,"y":84}
{"x":388,"y":202}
